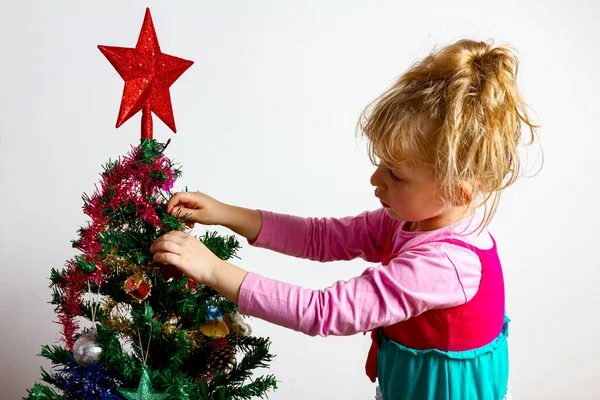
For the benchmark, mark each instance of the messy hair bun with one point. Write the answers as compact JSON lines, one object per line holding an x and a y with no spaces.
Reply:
{"x":460,"y":111}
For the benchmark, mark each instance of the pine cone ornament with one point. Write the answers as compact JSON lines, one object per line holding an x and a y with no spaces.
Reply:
{"x":221,"y":358}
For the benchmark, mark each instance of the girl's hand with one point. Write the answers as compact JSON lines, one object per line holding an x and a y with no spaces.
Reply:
{"x":200,"y":208}
{"x":187,"y":254}
{"x":205,"y":210}
{"x":193,"y":258}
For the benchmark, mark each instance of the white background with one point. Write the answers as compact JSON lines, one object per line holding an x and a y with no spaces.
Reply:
{"x":266,"y":119}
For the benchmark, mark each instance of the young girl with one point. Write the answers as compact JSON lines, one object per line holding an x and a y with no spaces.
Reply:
{"x":445,"y":141}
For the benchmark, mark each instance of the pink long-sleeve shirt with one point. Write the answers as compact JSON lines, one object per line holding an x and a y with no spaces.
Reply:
{"x":426,"y":276}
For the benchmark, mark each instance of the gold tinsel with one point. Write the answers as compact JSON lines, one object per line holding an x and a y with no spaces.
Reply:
{"x":114,"y":318}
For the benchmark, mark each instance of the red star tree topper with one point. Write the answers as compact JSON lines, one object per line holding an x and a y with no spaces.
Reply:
{"x":148,"y":74}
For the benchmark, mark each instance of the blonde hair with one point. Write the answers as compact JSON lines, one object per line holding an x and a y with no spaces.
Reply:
{"x":459,"y":111}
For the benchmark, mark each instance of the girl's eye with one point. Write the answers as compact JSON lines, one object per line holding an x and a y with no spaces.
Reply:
{"x":391,"y":174}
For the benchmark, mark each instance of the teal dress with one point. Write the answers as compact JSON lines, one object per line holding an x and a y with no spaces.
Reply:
{"x":478,"y":374}
{"x":458,"y":353}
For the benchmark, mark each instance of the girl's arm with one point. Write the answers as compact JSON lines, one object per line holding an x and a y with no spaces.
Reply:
{"x":318,"y":239}
{"x":326,"y":239}
{"x":243,"y":221}
{"x":423,"y":278}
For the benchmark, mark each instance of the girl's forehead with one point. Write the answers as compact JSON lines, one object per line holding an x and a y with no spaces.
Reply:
{"x":401,"y":162}
{"x":410,"y":168}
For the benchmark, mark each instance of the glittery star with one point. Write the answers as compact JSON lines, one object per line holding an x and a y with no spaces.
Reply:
{"x":144,"y":390}
{"x":148,"y":75}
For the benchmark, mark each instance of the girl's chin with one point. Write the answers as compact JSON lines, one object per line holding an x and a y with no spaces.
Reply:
{"x":392,"y":214}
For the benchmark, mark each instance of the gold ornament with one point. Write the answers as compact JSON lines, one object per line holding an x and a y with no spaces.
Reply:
{"x":214,"y":327}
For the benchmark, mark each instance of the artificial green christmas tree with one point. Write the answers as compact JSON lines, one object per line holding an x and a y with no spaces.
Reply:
{"x":153,"y":333}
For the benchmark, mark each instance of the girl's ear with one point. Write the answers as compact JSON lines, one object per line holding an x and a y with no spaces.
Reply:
{"x":465,"y":193}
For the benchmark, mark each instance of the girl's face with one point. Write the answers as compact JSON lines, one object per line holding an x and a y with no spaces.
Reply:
{"x":411,"y":194}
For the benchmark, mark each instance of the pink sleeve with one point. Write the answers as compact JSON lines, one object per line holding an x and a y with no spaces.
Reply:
{"x":326,"y":239}
{"x":421,"y":279}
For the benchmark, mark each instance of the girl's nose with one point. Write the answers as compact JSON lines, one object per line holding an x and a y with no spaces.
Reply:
{"x":377,"y":179}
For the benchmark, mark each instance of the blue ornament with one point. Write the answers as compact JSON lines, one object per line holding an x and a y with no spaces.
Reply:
{"x":213,"y":312}
{"x":87,"y":382}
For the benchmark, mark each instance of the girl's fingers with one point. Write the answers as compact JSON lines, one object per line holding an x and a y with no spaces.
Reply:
{"x":175,"y":236}
{"x":162,"y":247}
{"x":181,"y":199}
{"x":173,"y":201}
{"x":169,"y":242}
{"x":166,"y":258}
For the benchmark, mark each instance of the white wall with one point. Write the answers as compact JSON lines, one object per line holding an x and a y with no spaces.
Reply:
{"x":266,"y":119}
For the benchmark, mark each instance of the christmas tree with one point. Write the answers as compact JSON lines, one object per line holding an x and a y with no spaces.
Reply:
{"x":153,"y":333}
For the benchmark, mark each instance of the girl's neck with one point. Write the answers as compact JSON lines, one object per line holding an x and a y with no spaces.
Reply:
{"x":439,"y":221}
